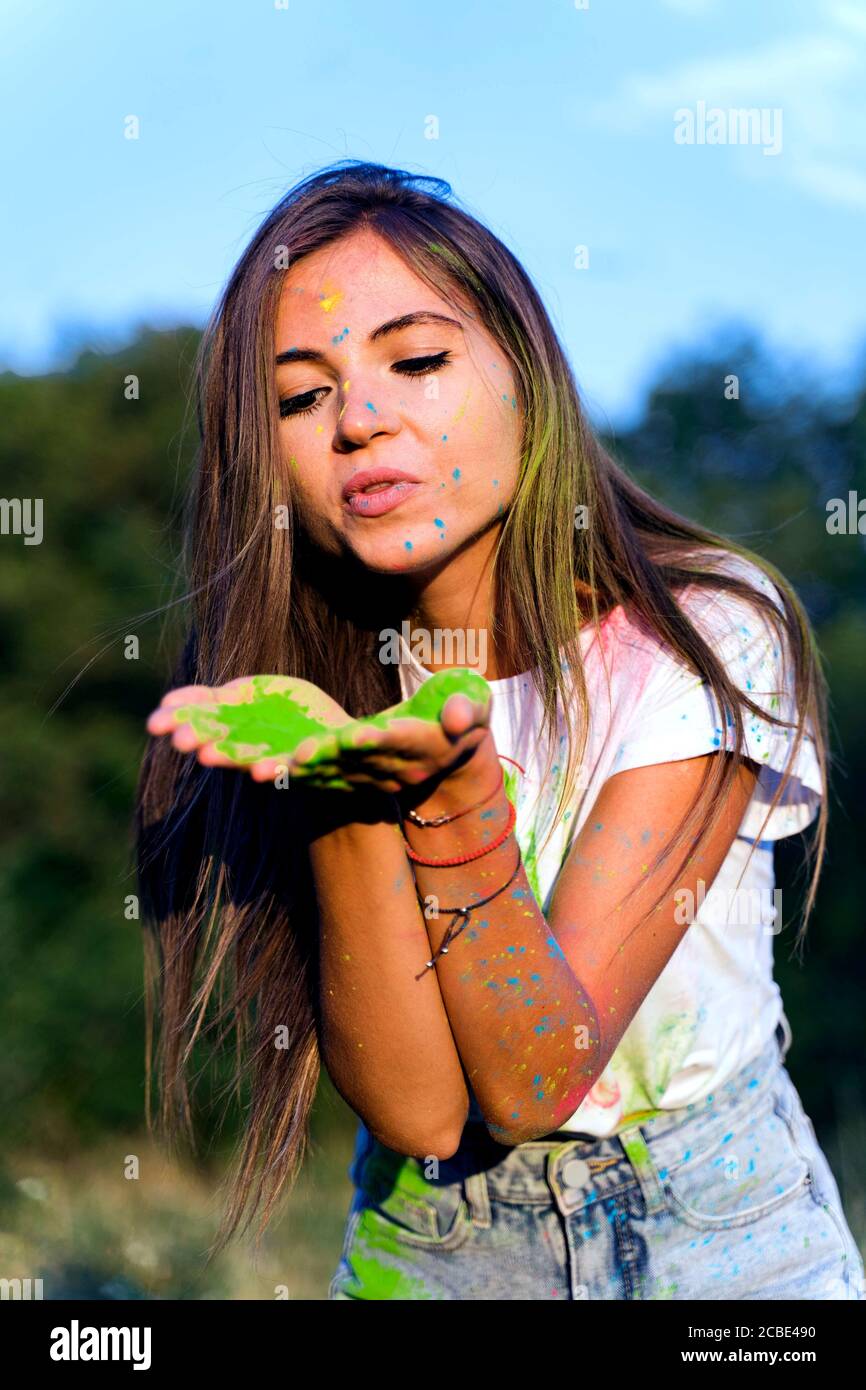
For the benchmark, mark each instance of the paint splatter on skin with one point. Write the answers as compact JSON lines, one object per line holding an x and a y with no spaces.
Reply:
{"x":271,"y":722}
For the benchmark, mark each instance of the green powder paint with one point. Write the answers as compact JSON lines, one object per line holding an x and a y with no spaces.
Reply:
{"x":509,"y":777}
{"x":529,"y":853}
{"x":637,"y":1080}
{"x":528,"y":843}
{"x":636,"y":1148}
{"x":395,"y":1193}
{"x":374,"y":1257}
{"x":273,"y":723}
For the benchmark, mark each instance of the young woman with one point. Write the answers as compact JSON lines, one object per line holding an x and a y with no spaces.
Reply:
{"x":530,"y":938}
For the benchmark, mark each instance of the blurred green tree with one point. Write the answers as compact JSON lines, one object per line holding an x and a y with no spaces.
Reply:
{"x":760,"y":464}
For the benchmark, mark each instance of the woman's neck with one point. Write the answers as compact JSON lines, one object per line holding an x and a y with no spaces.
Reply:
{"x":451,"y":614}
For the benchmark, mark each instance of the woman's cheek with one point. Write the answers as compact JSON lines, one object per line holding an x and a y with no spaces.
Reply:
{"x":313,"y":510}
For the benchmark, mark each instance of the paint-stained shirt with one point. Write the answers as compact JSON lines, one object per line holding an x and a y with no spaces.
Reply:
{"x":715,"y":1004}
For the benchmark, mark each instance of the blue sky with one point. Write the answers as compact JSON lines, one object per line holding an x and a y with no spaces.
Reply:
{"x":555,"y":126}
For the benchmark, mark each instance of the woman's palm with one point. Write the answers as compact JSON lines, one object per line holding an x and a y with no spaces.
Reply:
{"x":271,"y":725}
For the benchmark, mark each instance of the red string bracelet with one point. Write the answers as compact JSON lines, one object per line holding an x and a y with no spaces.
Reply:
{"x":466,"y":858}
{"x":511,"y":760}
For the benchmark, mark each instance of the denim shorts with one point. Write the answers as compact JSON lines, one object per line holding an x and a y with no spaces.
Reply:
{"x":730,"y":1198}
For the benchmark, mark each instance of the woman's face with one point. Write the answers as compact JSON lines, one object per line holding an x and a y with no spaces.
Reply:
{"x":426,"y":409}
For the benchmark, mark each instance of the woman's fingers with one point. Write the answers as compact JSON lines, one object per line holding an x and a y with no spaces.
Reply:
{"x":210,"y":756}
{"x":160,"y":721}
{"x":238,"y":688}
{"x":164,"y":719}
{"x":269,"y":769}
{"x":184,"y":738}
{"x":460,"y":714}
{"x":403,"y":753}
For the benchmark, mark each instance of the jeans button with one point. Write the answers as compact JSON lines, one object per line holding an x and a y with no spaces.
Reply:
{"x":575,"y":1173}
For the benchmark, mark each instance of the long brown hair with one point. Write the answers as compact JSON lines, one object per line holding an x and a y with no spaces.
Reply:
{"x":227,"y":898}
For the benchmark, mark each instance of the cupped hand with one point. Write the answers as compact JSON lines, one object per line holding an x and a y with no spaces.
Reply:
{"x":271,"y":725}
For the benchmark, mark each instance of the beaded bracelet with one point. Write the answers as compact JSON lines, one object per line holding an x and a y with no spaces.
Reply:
{"x":465,"y":858}
{"x":443,"y":820}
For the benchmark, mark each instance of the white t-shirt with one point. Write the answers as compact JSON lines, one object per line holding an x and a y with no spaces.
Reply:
{"x":715,"y":1004}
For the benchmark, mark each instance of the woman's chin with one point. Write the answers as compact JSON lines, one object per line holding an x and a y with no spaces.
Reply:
{"x":400,"y":557}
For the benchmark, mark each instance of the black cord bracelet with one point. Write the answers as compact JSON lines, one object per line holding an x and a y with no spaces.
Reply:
{"x":461,"y":912}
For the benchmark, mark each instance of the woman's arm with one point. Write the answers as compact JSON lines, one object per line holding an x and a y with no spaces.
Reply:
{"x":529,"y":1009}
{"x":385,"y":1036}
{"x":384,"y":1033}
{"x":537,"y":1006}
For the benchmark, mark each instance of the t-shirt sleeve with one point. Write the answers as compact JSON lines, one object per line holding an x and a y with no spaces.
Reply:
{"x":677,"y":716}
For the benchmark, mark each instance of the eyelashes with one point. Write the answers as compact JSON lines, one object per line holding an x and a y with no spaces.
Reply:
{"x":422,"y":366}
{"x":308,"y":401}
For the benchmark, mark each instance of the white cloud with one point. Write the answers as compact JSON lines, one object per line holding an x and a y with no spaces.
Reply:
{"x":833,"y":184}
{"x":851,"y":17}
{"x":816,"y":79}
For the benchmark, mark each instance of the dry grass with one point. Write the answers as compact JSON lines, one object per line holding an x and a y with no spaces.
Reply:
{"x":90,"y":1232}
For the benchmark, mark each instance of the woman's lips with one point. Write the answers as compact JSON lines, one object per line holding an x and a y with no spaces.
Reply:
{"x":380,"y":498}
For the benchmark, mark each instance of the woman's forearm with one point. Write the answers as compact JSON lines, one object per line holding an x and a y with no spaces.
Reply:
{"x":386,"y":1039}
{"x":526,"y":1031}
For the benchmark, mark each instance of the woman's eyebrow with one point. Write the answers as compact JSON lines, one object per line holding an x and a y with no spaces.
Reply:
{"x":297,"y":354}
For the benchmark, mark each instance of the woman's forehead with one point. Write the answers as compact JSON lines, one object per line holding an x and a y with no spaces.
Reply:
{"x":362,"y":281}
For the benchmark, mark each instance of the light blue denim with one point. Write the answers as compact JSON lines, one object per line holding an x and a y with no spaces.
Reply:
{"x":728,"y":1199}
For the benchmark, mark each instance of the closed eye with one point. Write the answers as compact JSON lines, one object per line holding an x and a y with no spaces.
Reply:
{"x":309,"y":401}
{"x":304,"y":404}
{"x":421,"y":366}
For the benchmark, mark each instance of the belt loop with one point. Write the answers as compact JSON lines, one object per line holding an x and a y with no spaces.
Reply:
{"x":787,"y":1036}
{"x":478,"y":1199}
{"x":641,"y":1160}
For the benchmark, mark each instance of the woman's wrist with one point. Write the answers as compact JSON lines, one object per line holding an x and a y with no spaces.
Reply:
{"x":477,"y":806}
{"x":475,"y":780}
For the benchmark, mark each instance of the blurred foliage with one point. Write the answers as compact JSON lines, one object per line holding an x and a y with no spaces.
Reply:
{"x":762,"y":469}
{"x":111,"y":472}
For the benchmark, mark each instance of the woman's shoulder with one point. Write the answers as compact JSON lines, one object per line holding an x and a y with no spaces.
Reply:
{"x":719,"y":603}
{"x":751,"y":586}
{"x":728,"y":594}
{"x":737,"y":610}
